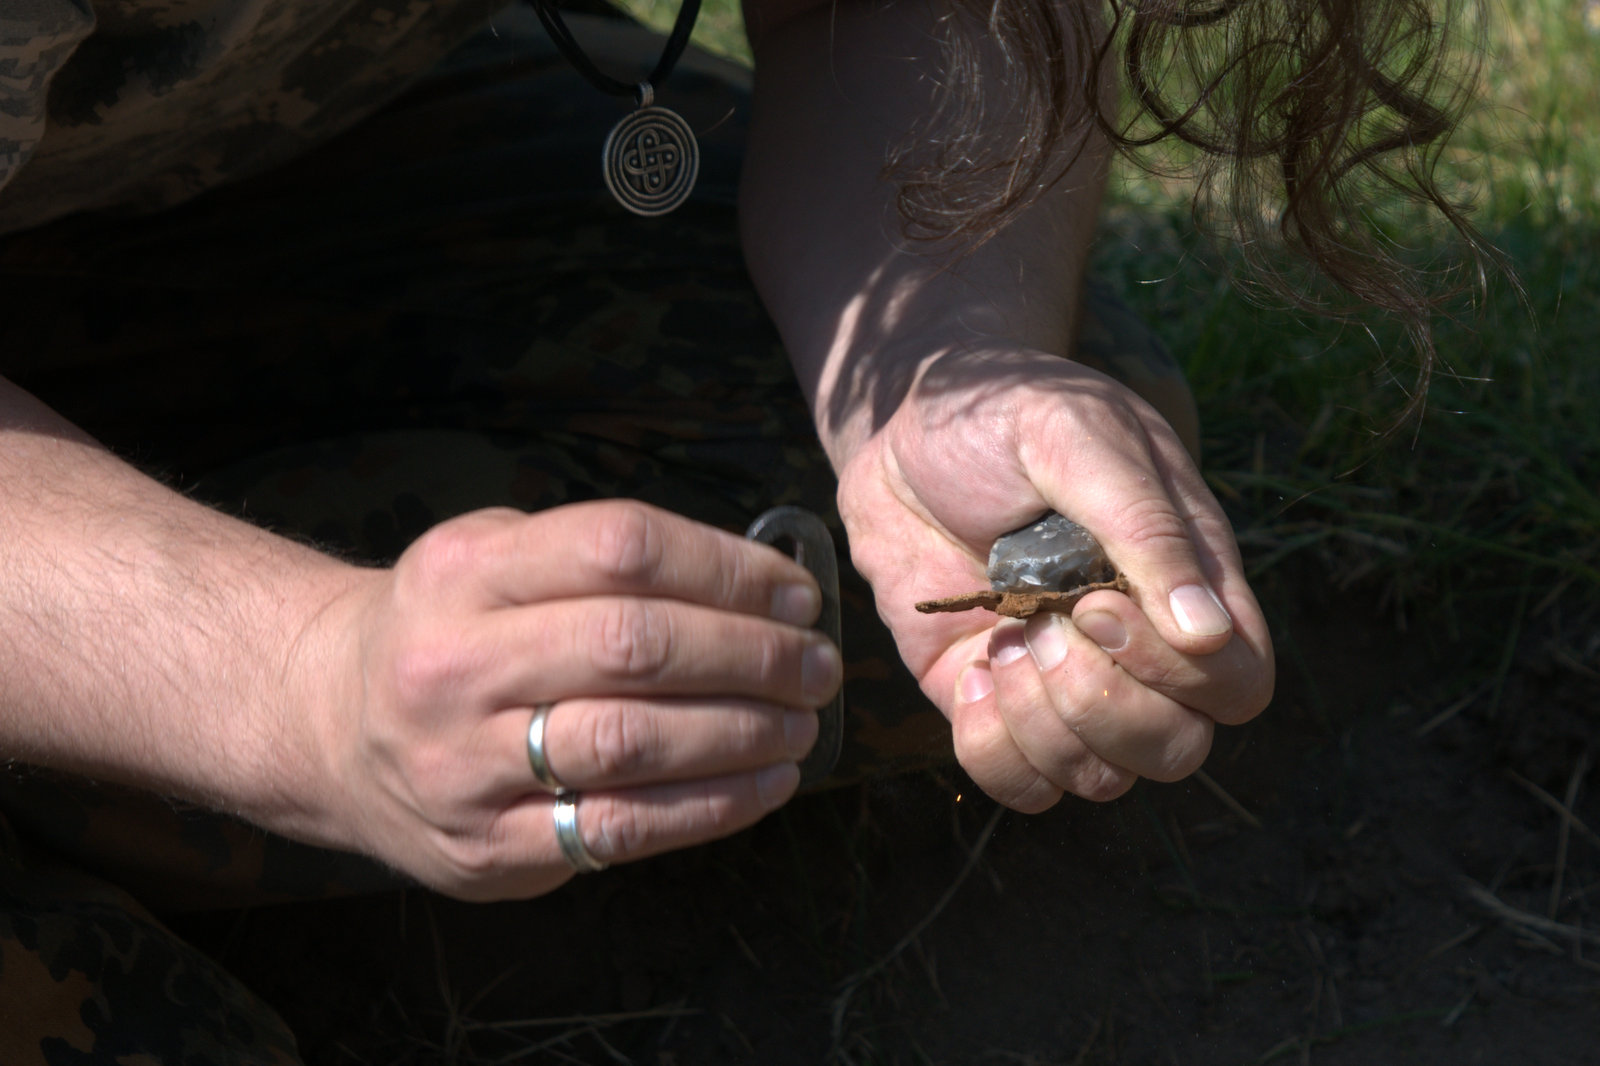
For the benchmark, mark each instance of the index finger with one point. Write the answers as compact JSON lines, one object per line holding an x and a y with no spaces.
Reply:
{"x":626,"y":547}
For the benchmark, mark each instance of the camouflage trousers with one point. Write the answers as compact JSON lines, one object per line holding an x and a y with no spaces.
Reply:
{"x":440,"y":311}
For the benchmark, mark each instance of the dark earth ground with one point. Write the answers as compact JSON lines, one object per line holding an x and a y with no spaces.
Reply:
{"x":1357,"y":922}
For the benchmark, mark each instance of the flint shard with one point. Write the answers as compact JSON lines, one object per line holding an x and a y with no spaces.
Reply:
{"x":1052,"y":554}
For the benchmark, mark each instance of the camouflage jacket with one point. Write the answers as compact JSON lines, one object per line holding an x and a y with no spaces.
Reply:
{"x":139,"y":104}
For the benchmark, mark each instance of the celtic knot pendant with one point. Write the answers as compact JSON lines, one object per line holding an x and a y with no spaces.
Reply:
{"x":651,"y":161}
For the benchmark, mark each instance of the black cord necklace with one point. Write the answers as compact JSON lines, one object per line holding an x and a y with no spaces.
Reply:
{"x":650,"y":158}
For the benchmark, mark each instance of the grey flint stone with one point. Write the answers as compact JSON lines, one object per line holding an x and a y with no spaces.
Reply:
{"x":1053,"y":553}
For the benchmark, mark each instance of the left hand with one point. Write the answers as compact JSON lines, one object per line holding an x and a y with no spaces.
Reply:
{"x":986,"y":440}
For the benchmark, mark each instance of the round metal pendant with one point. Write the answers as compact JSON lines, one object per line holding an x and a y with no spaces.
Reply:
{"x":651,"y":161}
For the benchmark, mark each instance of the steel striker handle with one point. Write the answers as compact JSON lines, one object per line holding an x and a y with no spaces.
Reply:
{"x":806,"y":539}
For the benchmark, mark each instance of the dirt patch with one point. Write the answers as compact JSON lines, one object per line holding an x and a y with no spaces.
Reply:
{"x":1403,"y":896}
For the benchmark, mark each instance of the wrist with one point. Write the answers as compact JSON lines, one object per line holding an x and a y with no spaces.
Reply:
{"x":860,"y":393}
{"x":150,"y":641}
{"x":911,"y":388}
{"x":295,"y":785}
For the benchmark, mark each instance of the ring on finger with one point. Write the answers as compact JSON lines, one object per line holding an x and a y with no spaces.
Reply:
{"x":536,"y":758}
{"x":573,"y":848}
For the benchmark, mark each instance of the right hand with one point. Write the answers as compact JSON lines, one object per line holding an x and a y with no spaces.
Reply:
{"x":985,"y":440}
{"x":676,"y":656}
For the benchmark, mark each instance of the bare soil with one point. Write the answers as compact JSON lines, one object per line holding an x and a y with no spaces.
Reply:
{"x":1386,"y":886}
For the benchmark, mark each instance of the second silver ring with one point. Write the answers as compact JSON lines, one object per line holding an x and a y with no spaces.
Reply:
{"x":536,"y":757}
{"x":570,"y":840}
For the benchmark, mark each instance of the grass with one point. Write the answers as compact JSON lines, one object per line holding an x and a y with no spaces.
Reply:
{"x":1485,"y":510}
{"x":719,"y":29}
{"x":1484,"y":515}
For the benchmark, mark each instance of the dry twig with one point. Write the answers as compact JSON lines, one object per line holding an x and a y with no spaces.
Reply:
{"x":847,"y":989}
{"x":1526,"y":921}
{"x":1556,"y":805}
{"x":1564,"y":836}
{"x":1210,"y":785}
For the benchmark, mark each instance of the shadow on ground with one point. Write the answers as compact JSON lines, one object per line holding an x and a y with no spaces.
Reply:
{"x":1385,"y":880}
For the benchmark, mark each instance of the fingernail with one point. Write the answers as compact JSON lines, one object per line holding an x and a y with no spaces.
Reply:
{"x":799,"y":733}
{"x":1046,"y":634}
{"x":796,"y":604}
{"x":1007,"y":646}
{"x":776,"y":784}
{"x":975,"y":683}
{"x":1198,"y":611}
{"x":819,"y":672}
{"x":1104,"y":628}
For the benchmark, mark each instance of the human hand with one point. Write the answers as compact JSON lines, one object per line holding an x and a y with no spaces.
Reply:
{"x":987,"y":440}
{"x":675,"y":656}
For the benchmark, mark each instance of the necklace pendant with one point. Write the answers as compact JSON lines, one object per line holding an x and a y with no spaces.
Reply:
{"x":651,"y":160}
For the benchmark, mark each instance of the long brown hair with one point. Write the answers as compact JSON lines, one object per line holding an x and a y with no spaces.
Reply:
{"x":1303,"y":116}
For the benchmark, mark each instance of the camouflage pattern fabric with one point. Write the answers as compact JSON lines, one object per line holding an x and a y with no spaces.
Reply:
{"x":88,"y":976}
{"x":143,"y":103}
{"x":440,"y":310}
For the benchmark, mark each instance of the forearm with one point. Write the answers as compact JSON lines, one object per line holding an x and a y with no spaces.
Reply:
{"x":146,"y":639}
{"x":859,"y":307}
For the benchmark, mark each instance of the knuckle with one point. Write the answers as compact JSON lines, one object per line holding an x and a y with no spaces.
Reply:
{"x":760,"y":735}
{"x":988,"y":755}
{"x":777,"y":663}
{"x":1087,"y":697}
{"x":1185,"y":752}
{"x":1260,"y":697}
{"x":979,"y":744}
{"x":620,"y":742}
{"x":1243,"y":710}
{"x":716,"y":813}
{"x":1240,"y":693}
{"x":1151,"y":521}
{"x":1037,"y":798}
{"x":450,"y":550}
{"x":614,"y":832}
{"x":474,"y":858}
{"x":431,"y":775}
{"x":737,"y":572}
{"x":1100,"y":782}
{"x":1159,"y":737}
{"x":632,"y":640}
{"x":1177,"y":681}
{"x":428,"y":671}
{"x":1114,"y":419}
{"x":629,"y":544}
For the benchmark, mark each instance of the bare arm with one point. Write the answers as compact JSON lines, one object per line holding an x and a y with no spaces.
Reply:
{"x":144,"y":638}
{"x":839,"y":86}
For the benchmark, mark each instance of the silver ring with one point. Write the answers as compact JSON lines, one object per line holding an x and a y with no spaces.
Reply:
{"x":571,"y":841}
{"x":541,"y":766}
